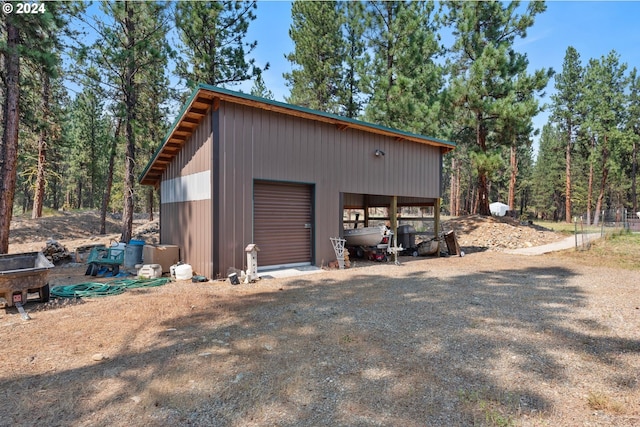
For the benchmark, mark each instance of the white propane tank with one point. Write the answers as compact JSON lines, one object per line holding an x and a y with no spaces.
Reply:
{"x":183,"y":272}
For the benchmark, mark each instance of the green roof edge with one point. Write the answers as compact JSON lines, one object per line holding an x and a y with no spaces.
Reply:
{"x":166,"y":137}
{"x":320,"y":113}
{"x":283,"y":105}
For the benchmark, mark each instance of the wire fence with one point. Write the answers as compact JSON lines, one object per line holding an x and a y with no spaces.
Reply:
{"x":610,"y":222}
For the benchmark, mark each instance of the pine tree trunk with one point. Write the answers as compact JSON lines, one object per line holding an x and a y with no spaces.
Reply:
{"x":453,"y":192}
{"x":567,"y":202}
{"x":512,"y":181}
{"x":9,"y":149}
{"x":634,"y":170}
{"x":106,"y":197}
{"x":79,"y":192}
{"x":130,"y":104}
{"x":603,"y":181}
{"x":38,"y":197}
{"x":590,"y":187}
{"x":150,"y":200}
{"x":483,"y":180}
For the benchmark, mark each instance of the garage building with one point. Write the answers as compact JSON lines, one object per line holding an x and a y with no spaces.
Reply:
{"x":236,"y":169}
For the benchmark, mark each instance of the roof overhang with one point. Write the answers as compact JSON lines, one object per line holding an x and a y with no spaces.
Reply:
{"x":206,"y":97}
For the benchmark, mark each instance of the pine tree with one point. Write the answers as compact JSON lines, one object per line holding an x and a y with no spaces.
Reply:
{"x":134,"y":41}
{"x":24,"y":41}
{"x":90,"y":128}
{"x":351,"y":97}
{"x":154,"y":85}
{"x":318,"y":56}
{"x":260,"y":88}
{"x":548,"y":174}
{"x":566,"y":114}
{"x":633,"y":126}
{"x":403,"y":79}
{"x":488,"y":75}
{"x":213,"y":42}
{"x":603,"y":103}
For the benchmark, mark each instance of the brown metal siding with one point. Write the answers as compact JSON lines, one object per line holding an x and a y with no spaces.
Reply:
{"x":263,"y":145}
{"x":282,"y":222}
{"x":189,"y":224}
{"x":253,"y":144}
{"x":235,"y":189}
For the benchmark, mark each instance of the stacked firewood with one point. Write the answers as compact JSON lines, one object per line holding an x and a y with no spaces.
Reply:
{"x":55,"y":252}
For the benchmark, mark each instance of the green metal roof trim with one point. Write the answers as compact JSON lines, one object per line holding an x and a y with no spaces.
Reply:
{"x":169,"y":132}
{"x":320,"y":113}
{"x":284,"y":105}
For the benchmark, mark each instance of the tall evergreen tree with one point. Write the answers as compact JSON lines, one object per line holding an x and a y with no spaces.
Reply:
{"x":403,"y":78}
{"x":214,"y":50}
{"x":24,"y":41}
{"x":90,"y":128}
{"x":565,"y":112}
{"x":604,"y":104}
{"x":485,"y":70}
{"x":316,"y":81}
{"x":351,"y":98}
{"x":633,"y":126}
{"x":260,"y":88}
{"x":548,"y":174}
{"x":154,"y":91}
{"x":132,"y":41}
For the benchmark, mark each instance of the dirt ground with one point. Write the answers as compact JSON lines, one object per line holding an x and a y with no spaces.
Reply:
{"x":487,"y":339}
{"x":75,"y":229}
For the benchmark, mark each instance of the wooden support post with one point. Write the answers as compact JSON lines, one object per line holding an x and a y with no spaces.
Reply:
{"x":366,"y":210}
{"x":436,"y":217}
{"x":393,"y":217}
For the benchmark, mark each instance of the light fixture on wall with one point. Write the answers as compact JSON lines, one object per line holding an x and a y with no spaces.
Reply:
{"x":379,"y":152}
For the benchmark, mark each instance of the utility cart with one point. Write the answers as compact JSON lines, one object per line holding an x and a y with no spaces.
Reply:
{"x":109,"y":258}
{"x":23,"y":274}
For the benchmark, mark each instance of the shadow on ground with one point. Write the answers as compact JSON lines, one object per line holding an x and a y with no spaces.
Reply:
{"x":401,"y":349}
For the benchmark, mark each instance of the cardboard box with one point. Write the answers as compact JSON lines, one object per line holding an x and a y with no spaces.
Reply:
{"x":165,"y":255}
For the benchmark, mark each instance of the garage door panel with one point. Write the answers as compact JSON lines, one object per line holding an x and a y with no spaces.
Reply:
{"x":282,"y":219}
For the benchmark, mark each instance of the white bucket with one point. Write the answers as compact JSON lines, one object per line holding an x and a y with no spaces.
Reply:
{"x":184,"y":272}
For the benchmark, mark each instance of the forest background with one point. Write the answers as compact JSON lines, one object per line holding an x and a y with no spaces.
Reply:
{"x":89,"y":90}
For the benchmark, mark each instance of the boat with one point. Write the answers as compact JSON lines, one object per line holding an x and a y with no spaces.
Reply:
{"x":366,"y":236}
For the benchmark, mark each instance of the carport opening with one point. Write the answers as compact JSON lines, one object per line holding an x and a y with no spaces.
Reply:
{"x":364,"y":210}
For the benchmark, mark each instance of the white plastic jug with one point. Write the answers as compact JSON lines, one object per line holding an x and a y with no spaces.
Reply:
{"x":184,"y":272}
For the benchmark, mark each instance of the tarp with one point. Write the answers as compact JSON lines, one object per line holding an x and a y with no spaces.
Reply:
{"x":498,"y":208}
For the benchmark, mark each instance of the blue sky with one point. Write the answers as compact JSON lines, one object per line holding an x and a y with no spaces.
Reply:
{"x":594,"y":28}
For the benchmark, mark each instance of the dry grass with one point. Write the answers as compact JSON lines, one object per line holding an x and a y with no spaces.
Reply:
{"x":618,"y":250}
{"x":601,"y":402}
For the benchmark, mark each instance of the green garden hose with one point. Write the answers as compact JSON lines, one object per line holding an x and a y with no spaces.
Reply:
{"x":88,"y":290}
{"x":115,"y":287}
{"x":139,"y":283}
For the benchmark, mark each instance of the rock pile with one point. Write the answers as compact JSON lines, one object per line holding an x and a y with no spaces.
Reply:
{"x":476,"y":233}
{"x":55,"y":252}
{"x":148,"y":232}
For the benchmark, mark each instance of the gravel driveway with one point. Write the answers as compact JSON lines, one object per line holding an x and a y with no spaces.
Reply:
{"x":486,"y":339}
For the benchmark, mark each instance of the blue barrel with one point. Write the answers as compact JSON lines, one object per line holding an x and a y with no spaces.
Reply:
{"x":133,"y":253}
